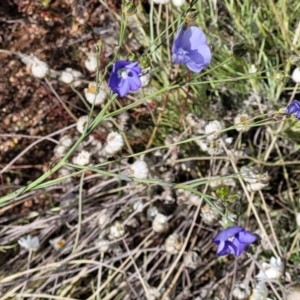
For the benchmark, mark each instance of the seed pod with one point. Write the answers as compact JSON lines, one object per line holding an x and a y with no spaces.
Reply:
{"x":160,"y":223}
{"x":191,"y":260}
{"x":173,"y":243}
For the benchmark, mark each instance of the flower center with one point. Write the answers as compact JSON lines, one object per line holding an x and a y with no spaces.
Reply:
{"x":123,"y":73}
{"x":231,"y":238}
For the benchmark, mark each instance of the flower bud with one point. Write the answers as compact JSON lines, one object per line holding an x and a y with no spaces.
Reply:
{"x":191,"y":14}
{"x":279,"y":76}
{"x":129,"y":8}
{"x":69,"y":76}
{"x":294,"y":60}
{"x":132,"y":57}
{"x":91,"y":62}
{"x":144,"y":62}
{"x":98,"y":46}
{"x":239,"y":49}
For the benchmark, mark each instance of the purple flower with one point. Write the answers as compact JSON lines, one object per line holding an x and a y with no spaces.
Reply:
{"x":233,"y":240}
{"x":190,"y":48}
{"x":294,"y":108}
{"x":125,"y":77}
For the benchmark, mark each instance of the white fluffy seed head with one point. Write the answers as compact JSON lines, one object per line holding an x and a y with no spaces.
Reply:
{"x":214,"y":147}
{"x":102,"y":245}
{"x":178,"y":3}
{"x":210,"y":215}
{"x":139,"y":169}
{"x":114,"y":143}
{"x":91,"y":62}
{"x":213,"y":128}
{"x":255,"y":187}
{"x":202,"y":144}
{"x":82,"y":158}
{"x":160,"y":223}
{"x":249,"y":174}
{"x":30,"y":243}
{"x":296,"y":75}
{"x":242,"y":122}
{"x":271,"y":271}
{"x":69,"y":76}
{"x":138,"y":206}
{"x":152,"y":212}
{"x":81,"y":123}
{"x":191,"y":260}
{"x":57,"y":243}
{"x":192,"y":119}
{"x":260,"y":292}
{"x":173,"y":243}
{"x":241,"y":291}
{"x":298,"y":219}
{"x":145,"y":77}
{"x":116,"y":231}
{"x":63,"y":146}
{"x":104,"y":217}
{"x":92,"y":97}
{"x":39,"y":69}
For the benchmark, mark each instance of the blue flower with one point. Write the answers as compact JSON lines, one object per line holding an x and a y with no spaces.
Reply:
{"x":125,"y":77}
{"x":294,"y":108}
{"x":190,"y":48}
{"x":233,"y":240}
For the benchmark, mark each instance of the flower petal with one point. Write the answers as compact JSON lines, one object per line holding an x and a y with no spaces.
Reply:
{"x":246,"y":237}
{"x":238,"y":247}
{"x":193,"y":38}
{"x":227,"y":233}
{"x":178,"y":40}
{"x":123,"y":87}
{"x":228,"y":248}
{"x":134,"y":82}
{"x":134,"y":66}
{"x":294,"y":107}
{"x":114,"y":81}
{"x":194,"y":67}
{"x":119,"y":64}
